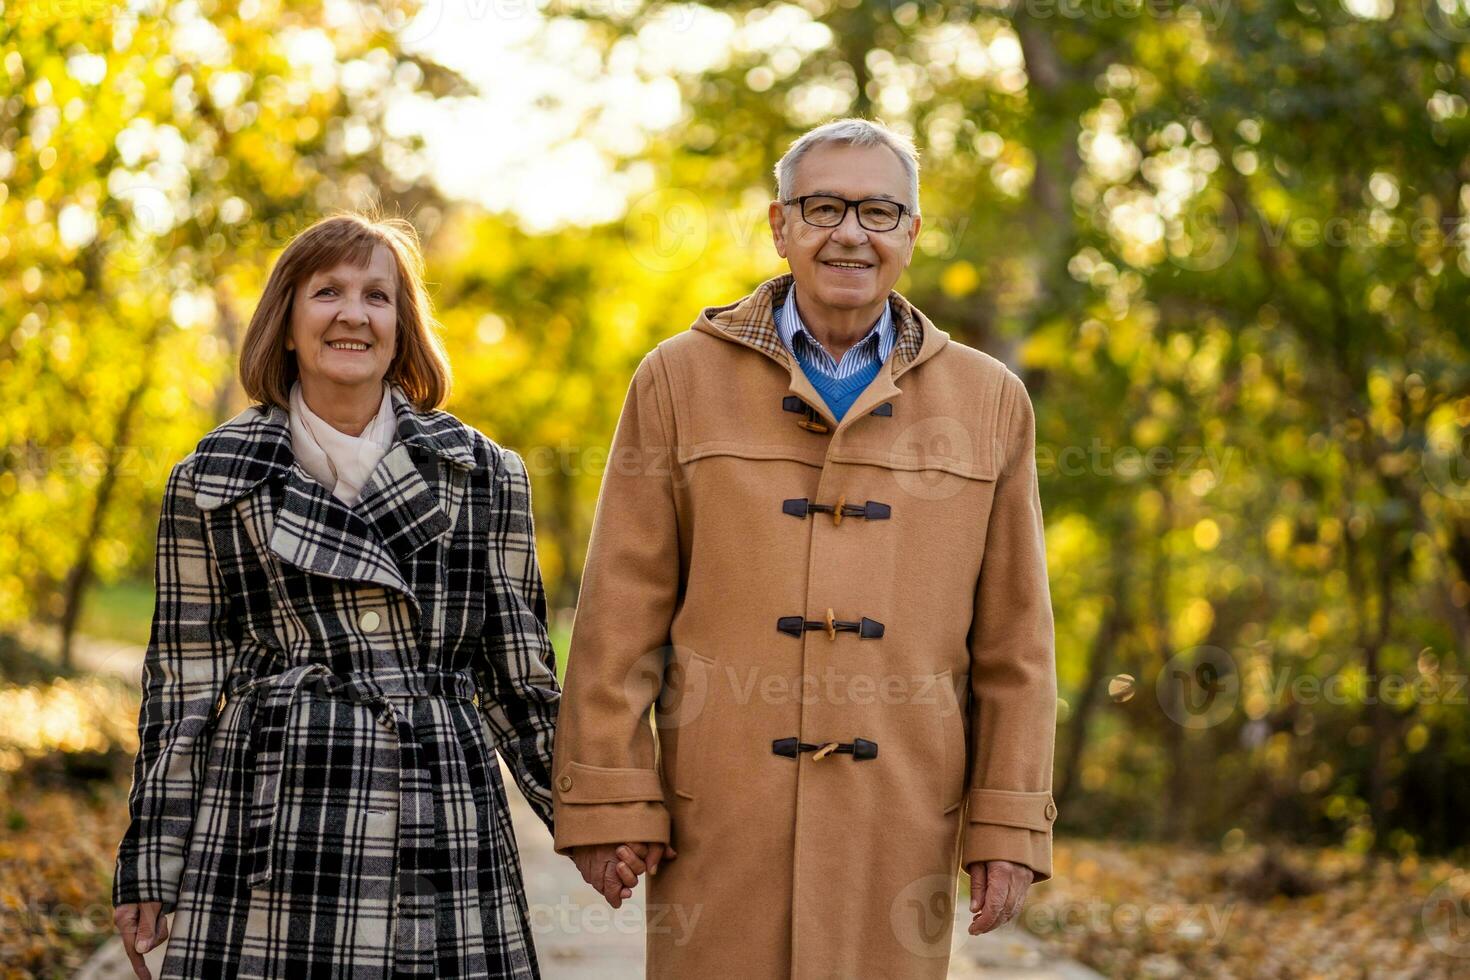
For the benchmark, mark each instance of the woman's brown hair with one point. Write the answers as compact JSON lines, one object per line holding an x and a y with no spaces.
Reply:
{"x":419,"y":366}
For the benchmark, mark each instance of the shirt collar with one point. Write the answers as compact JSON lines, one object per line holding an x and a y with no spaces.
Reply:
{"x":789,"y":324}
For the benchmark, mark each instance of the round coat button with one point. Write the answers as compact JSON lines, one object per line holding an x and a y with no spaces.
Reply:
{"x":369,"y":621}
{"x":565,"y":783}
{"x":1051,"y":811}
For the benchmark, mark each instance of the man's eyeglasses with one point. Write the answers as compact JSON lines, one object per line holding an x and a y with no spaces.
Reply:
{"x":825,"y":211}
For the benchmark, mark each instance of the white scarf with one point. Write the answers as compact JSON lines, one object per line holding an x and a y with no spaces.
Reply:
{"x":338,"y":461}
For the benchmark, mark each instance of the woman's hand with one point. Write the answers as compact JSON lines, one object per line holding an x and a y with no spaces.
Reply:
{"x":613,"y":869}
{"x":143,"y":927}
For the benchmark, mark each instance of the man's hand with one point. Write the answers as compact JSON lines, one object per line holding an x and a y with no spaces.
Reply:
{"x":613,"y":869}
{"x":143,"y":928}
{"x":997,"y":892}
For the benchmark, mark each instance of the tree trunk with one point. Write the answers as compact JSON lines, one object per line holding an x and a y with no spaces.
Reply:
{"x":82,"y":572}
{"x":1100,"y":664}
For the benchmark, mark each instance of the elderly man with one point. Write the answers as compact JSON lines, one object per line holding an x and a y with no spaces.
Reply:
{"x":818,"y":558}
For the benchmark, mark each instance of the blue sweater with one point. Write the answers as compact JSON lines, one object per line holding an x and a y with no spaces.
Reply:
{"x":839,"y":394}
{"x":839,"y":385}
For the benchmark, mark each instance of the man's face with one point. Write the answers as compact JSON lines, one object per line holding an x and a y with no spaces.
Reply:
{"x":847,"y":267}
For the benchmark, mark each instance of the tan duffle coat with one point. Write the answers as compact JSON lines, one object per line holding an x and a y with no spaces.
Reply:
{"x":845,"y":634}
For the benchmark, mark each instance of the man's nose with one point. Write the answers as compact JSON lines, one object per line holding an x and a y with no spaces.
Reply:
{"x":849,"y":232}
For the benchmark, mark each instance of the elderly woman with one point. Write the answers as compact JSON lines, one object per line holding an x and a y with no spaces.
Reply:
{"x":347,"y":584}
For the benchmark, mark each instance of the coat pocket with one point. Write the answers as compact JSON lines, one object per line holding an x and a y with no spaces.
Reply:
{"x":680,"y":717}
{"x":953,"y":737}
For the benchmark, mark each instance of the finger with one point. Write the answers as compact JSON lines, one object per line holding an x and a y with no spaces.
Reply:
{"x":996,"y":883}
{"x":135,"y":960}
{"x":638,"y":847}
{"x":626,"y":875}
{"x":977,"y":886}
{"x":160,"y":934}
{"x":127,"y":925}
{"x":612,"y":888}
{"x":634,"y":861}
{"x":147,"y":916}
{"x":655,"y":854}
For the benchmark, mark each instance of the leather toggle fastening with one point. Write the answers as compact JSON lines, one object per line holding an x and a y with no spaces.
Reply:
{"x":813,"y":422}
{"x":865,"y":628}
{"x":872,"y":510}
{"x":858,"y":748}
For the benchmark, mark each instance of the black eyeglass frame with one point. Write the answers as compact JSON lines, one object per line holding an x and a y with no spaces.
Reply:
{"x":848,"y":205}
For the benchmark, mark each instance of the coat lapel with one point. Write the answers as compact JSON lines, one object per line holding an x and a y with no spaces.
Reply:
{"x":407,"y":502}
{"x":751,"y":321}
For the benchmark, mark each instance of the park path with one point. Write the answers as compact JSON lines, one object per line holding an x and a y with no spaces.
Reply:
{"x":577,"y":936}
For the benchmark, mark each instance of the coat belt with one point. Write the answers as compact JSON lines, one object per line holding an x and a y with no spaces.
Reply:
{"x":376,"y":689}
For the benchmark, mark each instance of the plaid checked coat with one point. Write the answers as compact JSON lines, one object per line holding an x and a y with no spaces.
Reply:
{"x":314,"y":793}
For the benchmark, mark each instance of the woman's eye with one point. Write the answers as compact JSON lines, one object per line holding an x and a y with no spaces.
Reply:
{"x":332,"y":289}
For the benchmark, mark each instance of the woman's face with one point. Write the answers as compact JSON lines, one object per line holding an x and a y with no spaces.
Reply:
{"x":344,"y":324}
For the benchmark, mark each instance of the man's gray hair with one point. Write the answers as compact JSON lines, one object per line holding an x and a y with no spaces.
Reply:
{"x":852,"y":132}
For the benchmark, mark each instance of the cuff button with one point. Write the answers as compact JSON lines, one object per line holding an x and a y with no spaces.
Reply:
{"x":1051,"y":811}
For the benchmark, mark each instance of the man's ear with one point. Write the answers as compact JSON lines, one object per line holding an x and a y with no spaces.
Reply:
{"x":776,"y":215}
{"x":913,"y":237}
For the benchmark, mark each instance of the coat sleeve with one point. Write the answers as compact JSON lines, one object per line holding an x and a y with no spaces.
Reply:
{"x":191,"y":645}
{"x":607,"y":783}
{"x":1013,"y":680}
{"x":517,"y":672}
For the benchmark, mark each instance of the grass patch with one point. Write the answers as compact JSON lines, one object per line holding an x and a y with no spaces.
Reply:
{"x":119,"y":611}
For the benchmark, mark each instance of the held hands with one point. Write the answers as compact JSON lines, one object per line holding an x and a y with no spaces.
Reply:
{"x":613,"y":869}
{"x":143,"y":928}
{"x":997,"y":892}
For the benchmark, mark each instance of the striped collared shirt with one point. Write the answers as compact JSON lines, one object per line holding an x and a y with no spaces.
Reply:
{"x":871,"y":351}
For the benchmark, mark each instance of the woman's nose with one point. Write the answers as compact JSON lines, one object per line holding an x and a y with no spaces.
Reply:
{"x":354,"y":312}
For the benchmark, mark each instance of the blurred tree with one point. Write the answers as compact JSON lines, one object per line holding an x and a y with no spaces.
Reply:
{"x":154,"y":156}
{"x":1240,"y":233}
